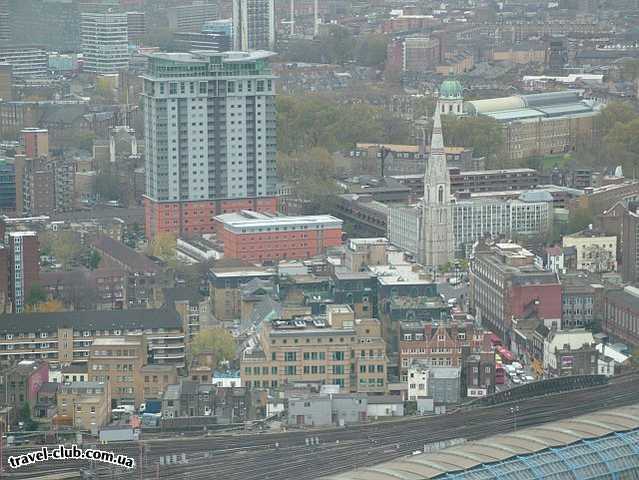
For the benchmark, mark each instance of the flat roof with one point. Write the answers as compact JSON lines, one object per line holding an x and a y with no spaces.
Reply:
{"x":248,"y":219}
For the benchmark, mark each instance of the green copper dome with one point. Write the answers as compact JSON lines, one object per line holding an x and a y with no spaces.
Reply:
{"x":451,"y":88}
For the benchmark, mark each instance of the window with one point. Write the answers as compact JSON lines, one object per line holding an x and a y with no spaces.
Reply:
{"x":291,"y":370}
{"x":337,"y":356}
{"x":290,"y":356}
{"x":338,"y":369}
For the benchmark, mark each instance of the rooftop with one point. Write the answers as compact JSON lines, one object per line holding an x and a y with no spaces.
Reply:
{"x":132,"y":260}
{"x":248,"y":219}
{"x":124,"y":320}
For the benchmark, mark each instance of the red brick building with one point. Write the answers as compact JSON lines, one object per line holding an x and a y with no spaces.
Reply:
{"x":257,"y":237}
{"x":192,"y":218}
{"x":440,"y":345}
{"x":506,"y":283}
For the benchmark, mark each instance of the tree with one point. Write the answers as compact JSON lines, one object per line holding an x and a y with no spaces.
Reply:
{"x":483,"y":134}
{"x":579,"y":219}
{"x":612,"y":114}
{"x":36,"y":295}
{"x":163,"y":246}
{"x":371,"y":50}
{"x":108,"y":186}
{"x":217,"y":342}
{"x":93,"y":260}
{"x":63,"y":245}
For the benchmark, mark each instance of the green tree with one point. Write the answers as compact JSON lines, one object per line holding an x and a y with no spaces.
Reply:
{"x":612,"y":114}
{"x":93,"y":260}
{"x":579,"y":219}
{"x":483,"y":134}
{"x":64,"y":246}
{"x":108,"y":186}
{"x":371,"y":50}
{"x":215,"y":341}
{"x":337,"y":44}
{"x":36,"y":295}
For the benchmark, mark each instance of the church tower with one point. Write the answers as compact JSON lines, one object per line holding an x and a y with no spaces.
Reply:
{"x":438,"y":246}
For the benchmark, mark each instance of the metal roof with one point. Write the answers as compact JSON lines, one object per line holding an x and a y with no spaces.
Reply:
{"x":589,"y":446}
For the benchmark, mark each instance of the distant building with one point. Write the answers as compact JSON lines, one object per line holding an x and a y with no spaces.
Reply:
{"x":24,"y":267}
{"x":6,"y":81}
{"x":539,"y":124}
{"x":253,"y":24}
{"x":530,"y":215}
{"x":621,"y":315}
{"x":21,"y":383}
{"x":253,"y":236}
{"x":479,"y":374}
{"x":26,"y":61}
{"x":105,"y":42}
{"x":185,"y":202}
{"x":191,"y":18}
{"x":87,"y":404}
{"x":212,"y":42}
{"x":505,"y":283}
{"x":7,"y":187}
{"x":582,"y":301}
{"x":596,"y":253}
{"x":345,"y":351}
{"x":33,"y":336}
{"x":136,"y":27}
{"x":570,"y":352}
{"x":630,"y":244}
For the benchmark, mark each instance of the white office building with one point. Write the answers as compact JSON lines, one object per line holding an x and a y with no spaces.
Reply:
{"x":531,"y":214}
{"x":104,"y":38}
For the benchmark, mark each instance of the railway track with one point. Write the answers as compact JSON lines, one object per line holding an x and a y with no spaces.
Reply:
{"x":287,"y":456}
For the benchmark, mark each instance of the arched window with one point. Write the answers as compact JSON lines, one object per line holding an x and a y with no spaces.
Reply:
{"x":440,"y":194}
{"x":427,"y":194}
{"x":450,"y":108}
{"x":443,"y":108}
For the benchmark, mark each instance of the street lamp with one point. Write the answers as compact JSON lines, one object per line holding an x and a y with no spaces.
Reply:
{"x":514,"y":410}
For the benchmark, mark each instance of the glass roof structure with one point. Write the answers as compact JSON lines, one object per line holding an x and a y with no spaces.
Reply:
{"x":614,"y":456}
{"x":600,"y":445}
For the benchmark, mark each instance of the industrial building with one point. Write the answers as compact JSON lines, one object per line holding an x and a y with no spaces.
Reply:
{"x":539,"y":124}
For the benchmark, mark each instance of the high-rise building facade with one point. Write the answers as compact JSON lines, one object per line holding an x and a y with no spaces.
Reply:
{"x":24,"y":267}
{"x":253,"y":24}
{"x":136,"y":26}
{"x":26,"y":61}
{"x":35,"y":142}
{"x":210,"y":138}
{"x":191,"y":18}
{"x":630,"y":243}
{"x":6,"y":82}
{"x":104,"y":38}
{"x":438,"y":244}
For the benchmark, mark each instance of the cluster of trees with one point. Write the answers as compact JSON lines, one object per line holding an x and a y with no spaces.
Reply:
{"x":339,"y":46}
{"x":311,"y":121}
{"x":618,"y":125}
{"x":483,"y":134}
{"x":217,"y":342}
{"x":68,"y":251}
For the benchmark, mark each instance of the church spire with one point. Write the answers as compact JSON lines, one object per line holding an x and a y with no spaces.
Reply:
{"x":436,"y":175}
{"x":437,"y":137}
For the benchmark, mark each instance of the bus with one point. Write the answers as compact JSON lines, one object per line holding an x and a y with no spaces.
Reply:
{"x":500,"y":374}
{"x":505,"y":354}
